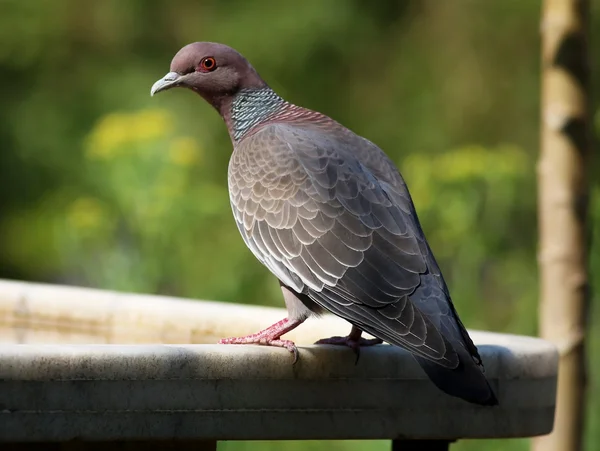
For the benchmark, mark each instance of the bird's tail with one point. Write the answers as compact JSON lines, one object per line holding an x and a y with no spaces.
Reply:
{"x":467,"y":381}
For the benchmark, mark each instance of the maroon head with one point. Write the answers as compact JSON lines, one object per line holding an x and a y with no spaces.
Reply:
{"x":214,"y":71}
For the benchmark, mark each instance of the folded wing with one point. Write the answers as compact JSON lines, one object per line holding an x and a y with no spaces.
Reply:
{"x":328,"y":226}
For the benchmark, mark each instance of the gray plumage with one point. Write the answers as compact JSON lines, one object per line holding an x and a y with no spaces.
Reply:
{"x":328,"y":213}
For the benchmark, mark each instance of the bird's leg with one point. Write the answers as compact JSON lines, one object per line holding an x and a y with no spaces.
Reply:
{"x":270,"y":336}
{"x":354,"y":341}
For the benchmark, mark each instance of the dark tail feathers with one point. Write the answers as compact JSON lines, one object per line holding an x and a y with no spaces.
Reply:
{"x":467,"y":381}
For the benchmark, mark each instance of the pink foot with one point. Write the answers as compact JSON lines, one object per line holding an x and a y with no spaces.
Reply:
{"x":269,"y":337}
{"x":354,"y":341}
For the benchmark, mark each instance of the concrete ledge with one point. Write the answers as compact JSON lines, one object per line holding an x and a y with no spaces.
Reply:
{"x":127,"y":392}
{"x":41,"y":313}
{"x":189,"y":392}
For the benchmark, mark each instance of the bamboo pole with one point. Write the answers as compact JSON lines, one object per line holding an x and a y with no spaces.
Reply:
{"x":563,"y":204}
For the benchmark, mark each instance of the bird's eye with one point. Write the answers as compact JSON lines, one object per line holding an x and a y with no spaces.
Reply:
{"x":208,"y":64}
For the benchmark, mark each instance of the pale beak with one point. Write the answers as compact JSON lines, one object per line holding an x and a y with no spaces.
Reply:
{"x":170,"y":80}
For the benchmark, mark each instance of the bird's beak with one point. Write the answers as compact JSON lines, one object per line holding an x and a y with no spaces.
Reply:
{"x":170,"y":80}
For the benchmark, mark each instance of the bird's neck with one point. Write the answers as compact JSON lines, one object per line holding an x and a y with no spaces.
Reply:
{"x":250,"y":108}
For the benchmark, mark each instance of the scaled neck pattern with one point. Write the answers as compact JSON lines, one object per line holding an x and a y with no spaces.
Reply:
{"x":250,"y":107}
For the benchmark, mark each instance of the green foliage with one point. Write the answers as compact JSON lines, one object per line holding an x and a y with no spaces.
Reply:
{"x":469,"y":200}
{"x":103,"y":186}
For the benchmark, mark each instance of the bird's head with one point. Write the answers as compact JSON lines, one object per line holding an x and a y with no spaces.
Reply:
{"x":215,"y":71}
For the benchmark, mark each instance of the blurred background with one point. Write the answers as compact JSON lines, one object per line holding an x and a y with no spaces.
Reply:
{"x":102,"y":186}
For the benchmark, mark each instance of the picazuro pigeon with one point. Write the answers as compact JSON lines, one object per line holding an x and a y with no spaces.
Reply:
{"x":328,"y":213}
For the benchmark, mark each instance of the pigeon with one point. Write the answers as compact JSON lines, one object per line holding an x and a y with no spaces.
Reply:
{"x":329,"y":214}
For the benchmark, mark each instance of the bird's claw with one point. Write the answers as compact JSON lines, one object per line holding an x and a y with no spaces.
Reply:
{"x":269,"y":337}
{"x":264,"y":341}
{"x":350,"y":342}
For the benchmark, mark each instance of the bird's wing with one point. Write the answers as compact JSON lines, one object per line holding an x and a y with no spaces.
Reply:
{"x":326,"y":225}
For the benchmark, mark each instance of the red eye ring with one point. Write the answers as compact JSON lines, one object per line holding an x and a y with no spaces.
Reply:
{"x":207,"y":64}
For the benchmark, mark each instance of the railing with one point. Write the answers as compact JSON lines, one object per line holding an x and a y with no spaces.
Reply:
{"x":138,"y":370}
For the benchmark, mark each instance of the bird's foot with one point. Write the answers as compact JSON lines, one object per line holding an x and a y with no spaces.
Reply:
{"x":349,"y":342}
{"x":353,"y":341}
{"x":269,"y":337}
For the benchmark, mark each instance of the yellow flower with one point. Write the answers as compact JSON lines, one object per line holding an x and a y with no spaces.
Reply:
{"x":117,"y":132}
{"x":184,"y":151}
{"x":461,"y":164}
{"x":106,"y":137}
{"x":150,"y":124}
{"x":86,"y":213}
{"x":480,"y":162}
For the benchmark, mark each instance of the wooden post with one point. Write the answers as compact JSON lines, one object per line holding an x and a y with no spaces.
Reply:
{"x":563,"y":204}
